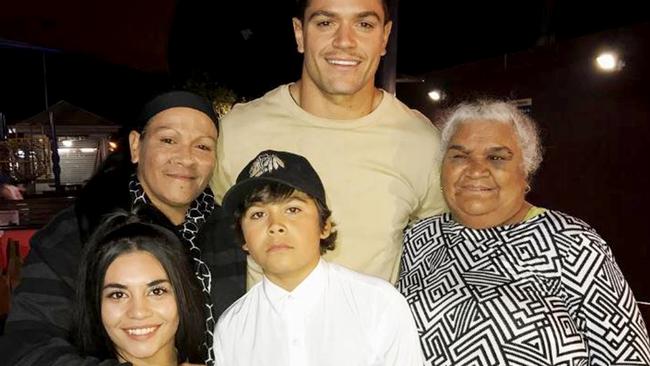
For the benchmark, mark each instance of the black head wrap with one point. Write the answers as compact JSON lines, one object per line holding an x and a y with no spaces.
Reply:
{"x":174,"y":99}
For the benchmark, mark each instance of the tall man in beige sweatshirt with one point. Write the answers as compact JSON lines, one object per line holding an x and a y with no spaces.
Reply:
{"x":377,"y":158}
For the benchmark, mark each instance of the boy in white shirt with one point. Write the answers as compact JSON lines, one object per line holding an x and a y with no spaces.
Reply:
{"x":305,"y":311}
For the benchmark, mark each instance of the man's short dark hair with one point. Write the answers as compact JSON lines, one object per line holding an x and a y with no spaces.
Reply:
{"x":301,"y":6}
{"x":277,"y":192}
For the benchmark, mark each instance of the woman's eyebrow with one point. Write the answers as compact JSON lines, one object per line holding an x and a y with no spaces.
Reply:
{"x":460,"y":148}
{"x":124,"y":287}
{"x":114,"y":285}
{"x":500,"y":149}
{"x":157,"y":282}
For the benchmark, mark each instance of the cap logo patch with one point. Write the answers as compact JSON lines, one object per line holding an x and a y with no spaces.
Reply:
{"x":264,"y":164}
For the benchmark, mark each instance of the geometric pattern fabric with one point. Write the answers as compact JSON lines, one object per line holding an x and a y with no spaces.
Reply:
{"x":546,"y":291}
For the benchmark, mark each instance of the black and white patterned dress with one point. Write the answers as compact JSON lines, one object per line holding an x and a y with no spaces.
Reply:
{"x":546,"y":291}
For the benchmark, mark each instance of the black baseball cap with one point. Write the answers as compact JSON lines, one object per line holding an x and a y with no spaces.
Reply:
{"x":275,"y":167}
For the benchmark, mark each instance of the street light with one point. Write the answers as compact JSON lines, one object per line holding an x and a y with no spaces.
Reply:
{"x":609,"y":62}
{"x":436,"y":95}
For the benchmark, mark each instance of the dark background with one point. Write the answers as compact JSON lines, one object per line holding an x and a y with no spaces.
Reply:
{"x":108,"y":57}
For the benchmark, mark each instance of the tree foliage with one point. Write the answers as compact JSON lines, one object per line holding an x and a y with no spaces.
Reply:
{"x":222,"y":97}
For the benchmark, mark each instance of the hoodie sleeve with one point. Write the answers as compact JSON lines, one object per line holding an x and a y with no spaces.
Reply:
{"x":37,"y":331}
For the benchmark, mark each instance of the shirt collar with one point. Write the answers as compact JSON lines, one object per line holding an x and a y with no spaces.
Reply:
{"x":307,"y":293}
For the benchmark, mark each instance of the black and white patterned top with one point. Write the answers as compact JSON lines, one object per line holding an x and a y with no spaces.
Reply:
{"x":546,"y":291}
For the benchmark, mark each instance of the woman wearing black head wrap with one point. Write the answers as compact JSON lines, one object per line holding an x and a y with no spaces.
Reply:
{"x":166,"y":171}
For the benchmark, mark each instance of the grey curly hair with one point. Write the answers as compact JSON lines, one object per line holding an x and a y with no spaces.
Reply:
{"x":497,"y":111}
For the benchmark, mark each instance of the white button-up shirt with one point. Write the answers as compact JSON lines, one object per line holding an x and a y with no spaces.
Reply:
{"x":335,"y":317}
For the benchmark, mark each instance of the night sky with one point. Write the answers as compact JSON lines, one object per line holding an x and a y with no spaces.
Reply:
{"x":110,"y":57}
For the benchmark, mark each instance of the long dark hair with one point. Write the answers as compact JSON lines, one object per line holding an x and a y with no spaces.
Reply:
{"x":124,"y":234}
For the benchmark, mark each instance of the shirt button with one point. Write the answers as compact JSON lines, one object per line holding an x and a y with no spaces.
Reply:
{"x":294,"y":342}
